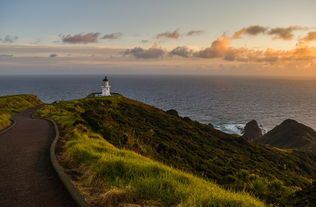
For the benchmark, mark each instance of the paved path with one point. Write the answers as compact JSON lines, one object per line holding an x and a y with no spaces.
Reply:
{"x":27,"y":177}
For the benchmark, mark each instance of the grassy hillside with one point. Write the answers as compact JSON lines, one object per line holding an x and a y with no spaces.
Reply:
{"x":110,"y":176}
{"x":305,"y":197}
{"x":231,"y":161}
{"x":291,"y":135}
{"x":9,"y":105}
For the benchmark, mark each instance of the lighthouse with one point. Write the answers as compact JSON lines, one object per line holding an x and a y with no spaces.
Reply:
{"x":106,"y":87}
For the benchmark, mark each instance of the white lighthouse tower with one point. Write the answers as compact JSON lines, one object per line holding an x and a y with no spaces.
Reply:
{"x":106,"y":87}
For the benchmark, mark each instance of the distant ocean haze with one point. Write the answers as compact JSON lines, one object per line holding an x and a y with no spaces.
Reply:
{"x":226,"y":102}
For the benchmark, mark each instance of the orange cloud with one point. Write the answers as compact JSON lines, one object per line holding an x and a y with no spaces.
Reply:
{"x":218,"y":49}
{"x":221,"y":48}
{"x":311,"y":36}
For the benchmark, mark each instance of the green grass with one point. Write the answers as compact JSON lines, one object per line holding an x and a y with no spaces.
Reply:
{"x":122,"y":175}
{"x":9,"y":105}
{"x":233,"y":162}
{"x":142,"y":179}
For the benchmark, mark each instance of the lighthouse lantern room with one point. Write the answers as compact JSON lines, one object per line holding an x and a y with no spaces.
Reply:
{"x":106,"y":87}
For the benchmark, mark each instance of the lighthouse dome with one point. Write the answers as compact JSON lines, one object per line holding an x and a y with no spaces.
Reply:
{"x":105,"y":78}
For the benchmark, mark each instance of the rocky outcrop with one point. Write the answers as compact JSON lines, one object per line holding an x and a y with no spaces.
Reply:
{"x":210,"y":125}
{"x":173,"y":112}
{"x":292,"y":135}
{"x":252,"y":131}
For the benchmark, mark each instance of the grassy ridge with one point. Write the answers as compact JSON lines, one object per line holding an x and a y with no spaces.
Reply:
{"x":135,"y":178}
{"x":123,"y":176}
{"x":235,"y":163}
{"x":9,"y":105}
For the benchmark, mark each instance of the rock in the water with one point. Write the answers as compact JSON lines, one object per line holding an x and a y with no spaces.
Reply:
{"x":252,"y":130}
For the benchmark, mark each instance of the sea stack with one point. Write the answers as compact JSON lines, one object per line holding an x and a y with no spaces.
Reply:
{"x":252,"y":130}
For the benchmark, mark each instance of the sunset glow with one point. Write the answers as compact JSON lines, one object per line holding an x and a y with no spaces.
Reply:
{"x":257,"y":42}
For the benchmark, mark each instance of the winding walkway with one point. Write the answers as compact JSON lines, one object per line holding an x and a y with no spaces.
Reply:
{"x":27,"y":177}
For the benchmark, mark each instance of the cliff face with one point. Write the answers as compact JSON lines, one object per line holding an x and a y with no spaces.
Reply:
{"x":291,"y":135}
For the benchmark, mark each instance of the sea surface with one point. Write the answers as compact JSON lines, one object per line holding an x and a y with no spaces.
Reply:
{"x":226,"y":102}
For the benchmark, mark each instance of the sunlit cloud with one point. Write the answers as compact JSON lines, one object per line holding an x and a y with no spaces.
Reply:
{"x":311,"y":36}
{"x":218,"y":49}
{"x":221,"y":48}
{"x":221,"y":53}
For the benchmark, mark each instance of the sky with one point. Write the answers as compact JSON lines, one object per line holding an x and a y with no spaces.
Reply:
{"x":227,"y":37}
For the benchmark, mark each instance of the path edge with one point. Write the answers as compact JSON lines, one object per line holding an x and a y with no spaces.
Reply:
{"x":77,"y":197}
{"x":9,"y":127}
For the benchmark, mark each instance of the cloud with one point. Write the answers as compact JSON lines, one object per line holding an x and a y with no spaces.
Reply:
{"x":6,"y":55}
{"x":194,"y":32}
{"x":217,"y":49}
{"x":169,"y":35}
{"x":144,"y":41}
{"x":181,"y":51}
{"x":53,"y":55}
{"x":251,"y":30}
{"x":285,"y":33}
{"x":151,"y":53}
{"x":221,"y":48}
{"x":311,"y":36}
{"x":80,"y":38}
{"x":112,"y":36}
{"x":9,"y":39}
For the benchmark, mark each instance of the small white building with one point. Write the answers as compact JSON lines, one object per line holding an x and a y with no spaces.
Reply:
{"x":105,"y":87}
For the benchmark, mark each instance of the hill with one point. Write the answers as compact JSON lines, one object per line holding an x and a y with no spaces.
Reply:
{"x":291,"y":135}
{"x":9,"y":105}
{"x":198,"y":149}
{"x":109,"y":176}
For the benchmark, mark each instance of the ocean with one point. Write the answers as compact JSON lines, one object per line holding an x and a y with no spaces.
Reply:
{"x":226,"y":102}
